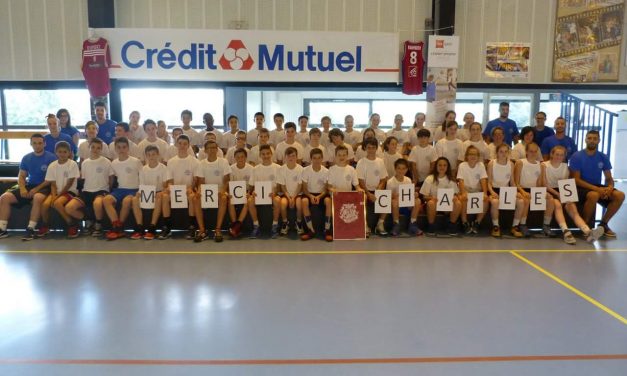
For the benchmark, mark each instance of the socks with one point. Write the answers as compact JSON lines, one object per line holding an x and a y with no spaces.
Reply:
{"x":380,"y":222}
{"x":523,"y":220}
{"x":412,"y":220}
{"x":327,"y":223}
{"x":495,"y":222}
{"x":516,"y":222}
{"x":564,"y":227}
{"x":547,"y":220}
{"x":256,"y":223}
{"x":585,"y":229}
{"x":309,"y":223}
{"x":275,"y":223}
{"x":3,"y":225}
{"x":32,"y":224}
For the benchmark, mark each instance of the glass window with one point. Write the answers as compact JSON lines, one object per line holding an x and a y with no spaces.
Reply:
{"x":388,"y":109}
{"x":28,"y":108}
{"x":474,"y":108}
{"x":337,"y":110}
{"x":167,"y":104}
{"x":519,"y":108}
{"x":615,"y":108}
{"x":552,"y":109}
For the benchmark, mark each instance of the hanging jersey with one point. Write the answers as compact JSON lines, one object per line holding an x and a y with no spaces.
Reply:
{"x":412,"y":67}
{"x":95,"y":66}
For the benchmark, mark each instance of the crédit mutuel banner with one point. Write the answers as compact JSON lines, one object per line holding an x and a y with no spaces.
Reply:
{"x":247,"y":55}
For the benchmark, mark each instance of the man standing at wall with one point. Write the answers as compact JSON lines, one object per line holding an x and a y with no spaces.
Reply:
{"x":509,"y":126}
{"x":541,"y":131}
{"x":559,"y":138}
{"x":106,"y":127}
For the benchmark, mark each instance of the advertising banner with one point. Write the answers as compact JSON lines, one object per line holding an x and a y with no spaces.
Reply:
{"x":507,"y":60}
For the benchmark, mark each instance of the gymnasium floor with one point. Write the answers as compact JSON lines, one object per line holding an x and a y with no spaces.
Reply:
{"x":463,"y":306}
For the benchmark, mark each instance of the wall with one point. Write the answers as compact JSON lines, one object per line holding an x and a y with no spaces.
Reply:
{"x":529,"y":21}
{"x":42,"y":39}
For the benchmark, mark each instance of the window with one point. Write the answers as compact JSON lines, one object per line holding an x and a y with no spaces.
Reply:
{"x":388,"y":109}
{"x":337,"y":110}
{"x":475,"y":108}
{"x":167,"y":104}
{"x":519,"y":108}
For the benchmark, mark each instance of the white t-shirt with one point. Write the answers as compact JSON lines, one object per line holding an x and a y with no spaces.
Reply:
{"x":61,"y":173}
{"x":379,"y":134}
{"x":219,"y":137}
{"x":241,"y":174}
{"x":133,"y":150}
{"x":137,"y":134}
{"x":501,"y":174}
{"x":291,"y":178}
{"x":472,"y":176}
{"x":252,"y":137}
{"x":343,"y":179}
{"x":463,"y":134}
{"x":127,"y":172}
{"x":388,"y":160}
{"x":352,"y":138}
{"x":316,"y":180}
{"x":181,"y":170}
{"x":154,"y":176}
{"x":276,"y":137}
{"x":413,"y":136}
{"x":553,"y":175}
{"x":361,"y":153}
{"x":519,"y":152}
{"x":230,"y":154}
{"x":229,"y":139}
{"x":213,"y":172}
{"x":423,"y":157}
{"x":324,"y":137}
{"x":265,"y":173}
{"x":173,"y":151}
{"x":84,"y":153}
{"x":330,"y":157}
{"x":451,"y":150}
{"x":529,"y":174}
{"x":393,"y":183}
{"x":430,"y":189}
{"x":253,"y":155}
{"x":202,"y":155}
{"x":283,"y":145}
{"x":371,"y":171}
{"x":302,"y":138}
{"x":96,"y":173}
{"x":309,"y":148}
{"x":402,"y":136}
{"x":159,"y":143}
{"x":484,"y":151}
{"x":194,"y":137}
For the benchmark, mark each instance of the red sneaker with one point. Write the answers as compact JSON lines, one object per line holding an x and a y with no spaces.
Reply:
{"x":306,"y":235}
{"x":43,"y":231}
{"x":149,"y":235}
{"x":72,"y":232}
{"x":114,"y":234}
{"x":328,"y":235}
{"x":137,"y":235}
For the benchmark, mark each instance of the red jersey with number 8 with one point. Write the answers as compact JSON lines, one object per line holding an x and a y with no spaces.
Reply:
{"x":412,"y":67}
{"x":95,"y":67}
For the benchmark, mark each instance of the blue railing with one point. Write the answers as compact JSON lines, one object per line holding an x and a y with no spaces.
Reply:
{"x":582,"y":117}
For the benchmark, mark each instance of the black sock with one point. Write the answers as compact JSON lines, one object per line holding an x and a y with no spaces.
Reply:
{"x":167,"y":221}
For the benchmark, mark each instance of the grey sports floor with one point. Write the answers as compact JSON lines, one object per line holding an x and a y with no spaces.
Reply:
{"x":462,"y":306}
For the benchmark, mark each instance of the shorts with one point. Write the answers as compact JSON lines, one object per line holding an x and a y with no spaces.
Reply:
{"x":583,"y":192}
{"x":87,"y":198}
{"x":119,"y":193}
{"x":68,"y":195}
{"x":23,"y":201}
{"x":321,"y":203}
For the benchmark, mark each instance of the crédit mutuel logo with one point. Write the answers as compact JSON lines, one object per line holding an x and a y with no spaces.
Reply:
{"x":238,"y":55}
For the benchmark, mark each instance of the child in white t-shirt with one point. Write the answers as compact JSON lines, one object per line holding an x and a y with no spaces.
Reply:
{"x":314,"y":143}
{"x":154,"y":174}
{"x":290,"y":184}
{"x":240,"y":171}
{"x":263,"y":172}
{"x":91,"y":132}
{"x":472,"y":177}
{"x":342,"y":178}
{"x":240,"y":143}
{"x":441,"y":178}
{"x":290,"y":141}
{"x":372,"y":175}
{"x":390,"y":154}
{"x":401,"y":166}
{"x":422,"y":157}
{"x":314,"y":178}
{"x":150,"y":128}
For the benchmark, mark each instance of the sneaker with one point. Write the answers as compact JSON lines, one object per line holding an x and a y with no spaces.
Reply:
{"x":299,"y":228}
{"x":525,"y":230}
{"x":217,"y":236}
{"x":96,"y":232}
{"x":496,"y":231}
{"x":569,"y":238}
{"x":452,"y":229}
{"x":191,"y":233}
{"x":368,"y":232}
{"x":328,"y":235}
{"x":546,"y":231}
{"x":430,"y":230}
{"x":137,"y":235}
{"x":72,"y":232}
{"x":166,"y":233}
{"x":413,"y":229}
{"x":396,"y":229}
{"x":114,"y":234}
{"x":233,"y":229}
{"x":149,"y":235}
{"x":275,"y":231}
{"x":307,"y":234}
{"x":4,"y":234}
{"x":285,"y":228}
{"x":474,"y":227}
{"x":30,"y":235}
{"x":595,"y":234}
{"x":43,"y":231}
{"x":380,"y":230}
{"x":607,"y":231}
{"x":200,"y":236}
{"x":516,"y":232}
{"x":254,"y":234}
{"x":467,"y":228}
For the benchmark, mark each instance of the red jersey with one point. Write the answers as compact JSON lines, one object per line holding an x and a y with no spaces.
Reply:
{"x":412,"y":67}
{"x":95,"y":67}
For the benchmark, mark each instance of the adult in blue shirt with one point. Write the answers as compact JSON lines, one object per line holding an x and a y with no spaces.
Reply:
{"x":31,"y":187}
{"x":541,"y":131}
{"x":106,"y":127}
{"x":586,"y":166}
{"x":509,"y":126}
{"x":56,"y":135}
{"x":559,"y":138}
{"x":65,"y":124}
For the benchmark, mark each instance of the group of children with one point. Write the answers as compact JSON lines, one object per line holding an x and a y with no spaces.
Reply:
{"x":305,"y":166}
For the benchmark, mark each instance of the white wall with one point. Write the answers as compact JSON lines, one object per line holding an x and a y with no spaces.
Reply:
{"x":42,"y":39}
{"x":530,"y":21}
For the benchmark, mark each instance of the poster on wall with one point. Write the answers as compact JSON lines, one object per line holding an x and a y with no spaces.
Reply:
{"x":588,"y":37}
{"x":507,"y":60}
{"x":442,"y":63}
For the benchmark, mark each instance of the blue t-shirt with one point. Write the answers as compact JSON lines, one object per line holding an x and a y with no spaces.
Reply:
{"x":591,"y":167}
{"x":70,"y":131}
{"x":106,"y":131}
{"x":36,"y":166}
{"x":541,"y":135}
{"x":550,"y":142}
{"x":51,"y":142}
{"x":509,"y":126}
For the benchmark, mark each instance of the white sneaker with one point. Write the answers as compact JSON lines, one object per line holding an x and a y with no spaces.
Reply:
{"x":569,"y":238}
{"x":595,"y":234}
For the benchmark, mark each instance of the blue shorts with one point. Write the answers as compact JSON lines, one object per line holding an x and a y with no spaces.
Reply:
{"x":120,"y":193}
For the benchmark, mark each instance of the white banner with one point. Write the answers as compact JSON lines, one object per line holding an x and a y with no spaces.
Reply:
{"x":538,"y":199}
{"x":507,"y":198}
{"x":178,"y":196}
{"x":263,"y":189}
{"x":406,"y":197}
{"x":568,"y":190}
{"x":445,"y":199}
{"x":252,"y":55}
{"x":209,"y":196}
{"x":237,"y":191}
{"x":443,"y":51}
{"x":383,"y":201}
{"x":475,"y":203}
{"x":147,"y":194}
